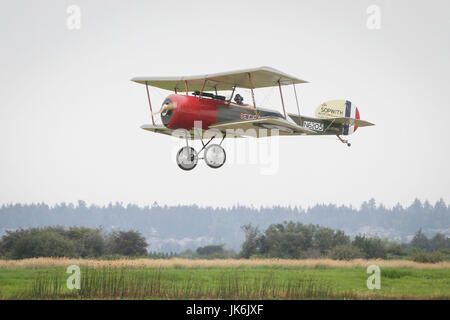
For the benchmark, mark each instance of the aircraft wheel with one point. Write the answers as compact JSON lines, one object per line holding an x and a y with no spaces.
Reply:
{"x":187,"y":158}
{"x":215,"y":156}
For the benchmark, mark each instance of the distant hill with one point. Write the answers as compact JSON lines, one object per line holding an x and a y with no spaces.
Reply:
{"x":177,"y":228}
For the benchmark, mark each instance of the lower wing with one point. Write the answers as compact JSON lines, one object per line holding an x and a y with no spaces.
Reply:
{"x":262,"y":127}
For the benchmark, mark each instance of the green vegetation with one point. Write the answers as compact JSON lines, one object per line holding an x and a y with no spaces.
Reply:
{"x":73,"y":242}
{"x":297,"y":241}
{"x":209,"y":273}
{"x":210,"y":250}
{"x":288,"y":240}
{"x":345,"y":252}
{"x":269,"y":282}
{"x":182,"y":227}
{"x":372,"y":248}
{"x":427,"y":257}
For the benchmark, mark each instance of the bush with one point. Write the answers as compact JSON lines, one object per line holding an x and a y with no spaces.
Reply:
{"x":42,"y":244}
{"x":345,"y":252}
{"x":127,"y":243}
{"x":311,"y":253}
{"x":210,"y":250}
{"x":293,"y":240}
{"x":287,"y":240}
{"x":9,"y":240}
{"x":214,"y":252}
{"x":74,"y":242}
{"x":90,"y":242}
{"x":395,"y":250}
{"x":371,"y":247}
{"x":440,"y":242}
{"x":445,"y":254}
{"x":427,"y":257}
{"x":252,"y":243}
{"x":420,"y":241}
{"x":324,"y":239}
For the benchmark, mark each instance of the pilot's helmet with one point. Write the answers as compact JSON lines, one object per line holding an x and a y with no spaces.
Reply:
{"x":238,"y":98}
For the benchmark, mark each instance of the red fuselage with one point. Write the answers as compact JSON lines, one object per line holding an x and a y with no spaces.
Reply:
{"x":209,"y":111}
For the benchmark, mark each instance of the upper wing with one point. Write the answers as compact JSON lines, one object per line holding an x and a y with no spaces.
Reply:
{"x":351,"y":122}
{"x":252,"y":128}
{"x":261,"y":77}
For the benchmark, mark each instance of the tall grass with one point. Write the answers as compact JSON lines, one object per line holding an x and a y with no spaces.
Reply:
{"x":46,"y":286}
{"x":200,"y":263}
{"x":113,"y":283}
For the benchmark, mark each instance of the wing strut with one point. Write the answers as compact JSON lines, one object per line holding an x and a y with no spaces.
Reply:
{"x":298,"y":108}
{"x":149,"y":102}
{"x":282,"y":101}
{"x":203,"y":88}
{"x":186,"y":87}
{"x":231,"y":97}
{"x":253,"y":95}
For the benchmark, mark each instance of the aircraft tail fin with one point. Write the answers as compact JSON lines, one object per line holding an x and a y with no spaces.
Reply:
{"x":344,"y":112}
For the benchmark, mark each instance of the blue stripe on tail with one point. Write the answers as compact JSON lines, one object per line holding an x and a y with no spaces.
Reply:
{"x":348,"y":109}
{"x":348,"y":112}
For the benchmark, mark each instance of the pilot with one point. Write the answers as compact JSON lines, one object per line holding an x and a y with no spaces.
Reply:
{"x":238,"y":99}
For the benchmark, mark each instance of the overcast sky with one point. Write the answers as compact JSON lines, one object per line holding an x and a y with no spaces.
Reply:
{"x":70,"y":116}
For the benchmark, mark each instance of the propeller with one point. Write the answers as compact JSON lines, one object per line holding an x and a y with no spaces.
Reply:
{"x":165,"y":108}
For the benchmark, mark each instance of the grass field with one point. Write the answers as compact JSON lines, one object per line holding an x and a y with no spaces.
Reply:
{"x":45,"y":278}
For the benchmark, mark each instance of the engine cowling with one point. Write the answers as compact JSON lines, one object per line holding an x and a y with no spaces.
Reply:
{"x":181,"y":112}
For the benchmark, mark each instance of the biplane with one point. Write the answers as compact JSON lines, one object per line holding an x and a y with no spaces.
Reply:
{"x":196,"y":105}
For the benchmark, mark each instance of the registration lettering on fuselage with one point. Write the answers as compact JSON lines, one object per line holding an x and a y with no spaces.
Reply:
{"x":248,"y":116}
{"x":316,"y":126}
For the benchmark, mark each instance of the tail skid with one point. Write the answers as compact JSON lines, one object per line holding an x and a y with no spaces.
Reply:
{"x":344,"y":140}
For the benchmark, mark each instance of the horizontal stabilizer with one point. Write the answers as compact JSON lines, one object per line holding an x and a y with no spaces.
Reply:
{"x":352,"y":122}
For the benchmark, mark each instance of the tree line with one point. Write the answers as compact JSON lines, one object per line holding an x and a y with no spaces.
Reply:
{"x":73,"y":242}
{"x":177,"y":228}
{"x":293,"y":240}
{"x":288,"y":240}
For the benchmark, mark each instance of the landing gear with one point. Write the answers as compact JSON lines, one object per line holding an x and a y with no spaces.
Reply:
{"x":187,"y":158}
{"x":344,"y":141}
{"x":214,"y":156}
